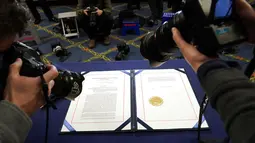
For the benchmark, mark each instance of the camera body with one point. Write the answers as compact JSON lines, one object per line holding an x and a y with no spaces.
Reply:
{"x":197,"y":24}
{"x":123,"y":51}
{"x":151,"y":22}
{"x":60,"y":51}
{"x":67,"y":85}
{"x":92,"y":12}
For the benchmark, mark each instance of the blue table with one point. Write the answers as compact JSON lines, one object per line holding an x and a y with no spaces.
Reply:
{"x":57,"y":116}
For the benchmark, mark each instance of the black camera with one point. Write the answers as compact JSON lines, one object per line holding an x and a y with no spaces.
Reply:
{"x":60,"y":51}
{"x":123,"y":51}
{"x":209,"y":24}
{"x":92,"y":12}
{"x":152,"y":21}
{"x":67,"y":85}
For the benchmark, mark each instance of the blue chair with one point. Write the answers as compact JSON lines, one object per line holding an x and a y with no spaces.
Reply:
{"x":128,"y":25}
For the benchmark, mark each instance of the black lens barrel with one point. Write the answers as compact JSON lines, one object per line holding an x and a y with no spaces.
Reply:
{"x":159,"y":45}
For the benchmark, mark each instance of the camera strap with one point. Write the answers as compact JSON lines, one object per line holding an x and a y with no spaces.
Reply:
{"x":45,"y":89}
{"x":49,"y":104}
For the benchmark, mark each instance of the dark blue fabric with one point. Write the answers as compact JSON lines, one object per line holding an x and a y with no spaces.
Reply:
{"x":133,"y":102}
{"x":138,"y":72}
{"x":57,"y":116}
{"x":196,"y":125}
{"x":127,"y":73}
{"x":180,"y":71}
{"x":120,"y":128}
{"x":68,"y":126}
{"x":144,"y":124}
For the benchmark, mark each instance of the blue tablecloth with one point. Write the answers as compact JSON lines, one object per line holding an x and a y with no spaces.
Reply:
{"x":57,"y":116}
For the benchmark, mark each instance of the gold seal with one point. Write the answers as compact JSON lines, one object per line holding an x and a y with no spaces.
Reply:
{"x":156,"y":101}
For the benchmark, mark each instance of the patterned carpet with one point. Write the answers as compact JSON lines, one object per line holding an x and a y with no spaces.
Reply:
{"x":80,"y":52}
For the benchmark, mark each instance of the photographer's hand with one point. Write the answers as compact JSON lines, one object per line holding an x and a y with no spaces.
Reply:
{"x":26,"y":92}
{"x":99,"y":12}
{"x":85,"y":12}
{"x":190,"y":52}
{"x":247,"y":14}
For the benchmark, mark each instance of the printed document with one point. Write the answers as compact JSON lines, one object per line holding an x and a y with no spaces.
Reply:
{"x":104,"y":103}
{"x":165,"y":99}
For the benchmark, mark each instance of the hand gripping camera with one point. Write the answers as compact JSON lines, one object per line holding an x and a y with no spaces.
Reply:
{"x":67,"y":85}
{"x":92,"y":12}
{"x":209,"y":24}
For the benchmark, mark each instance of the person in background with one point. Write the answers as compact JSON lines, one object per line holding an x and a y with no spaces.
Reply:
{"x":230,"y":92}
{"x":175,"y":5}
{"x":104,"y":20}
{"x":156,"y":7}
{"x":137,"y":3}
{"x":46,"y":9}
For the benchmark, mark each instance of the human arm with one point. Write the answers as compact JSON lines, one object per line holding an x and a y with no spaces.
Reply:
{"x":80,"y":8}
{"x":232,"y":95}
{"x":106,"y":6}
{"x":14,"y":123}
{"x":22,"y":97}
{"x":80,"y":4}
{"x":247,"y":15}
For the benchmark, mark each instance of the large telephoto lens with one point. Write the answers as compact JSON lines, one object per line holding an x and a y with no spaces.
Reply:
{"x":158,"y":46}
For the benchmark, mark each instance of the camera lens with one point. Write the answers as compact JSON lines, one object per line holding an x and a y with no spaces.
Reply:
{"x":159,"y":46}
{"x":57,"y":50}
{"x":123,"y":51}
{"x":67,"y":85}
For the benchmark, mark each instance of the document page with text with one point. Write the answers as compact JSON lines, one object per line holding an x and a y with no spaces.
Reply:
{"x":103,"y":105}
{"x":165,"y":100}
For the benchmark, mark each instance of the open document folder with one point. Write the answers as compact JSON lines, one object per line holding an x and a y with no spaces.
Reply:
{"x":134,"y":100}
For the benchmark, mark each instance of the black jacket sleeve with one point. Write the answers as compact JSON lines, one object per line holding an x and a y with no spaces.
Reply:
{"x":232,"y":95}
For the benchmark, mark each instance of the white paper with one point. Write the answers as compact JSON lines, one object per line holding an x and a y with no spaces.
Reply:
{"x":176,"y":105}
{"x":104,"y":103}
